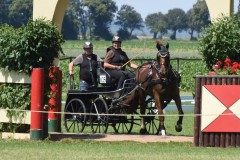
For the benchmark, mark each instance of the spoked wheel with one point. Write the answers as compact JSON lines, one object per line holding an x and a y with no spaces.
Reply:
{"x":122,"y":124}
{"x":152,"y":121}
{"x":74,"y":121}
{"x":99,"y":119}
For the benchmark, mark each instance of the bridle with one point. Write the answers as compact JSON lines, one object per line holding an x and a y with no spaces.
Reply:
{"x":166,"y":63}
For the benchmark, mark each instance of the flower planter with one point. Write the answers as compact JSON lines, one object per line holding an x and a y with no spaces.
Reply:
{"x":217,"y":104}
{"x":5,"y":119}
{"x":7,"y":135}
{"x":14,"y":77}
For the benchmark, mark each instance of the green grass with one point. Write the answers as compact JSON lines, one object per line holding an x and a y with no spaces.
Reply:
{"x":179,"y":48}
{"x":141,"y":43}
{"x":88,"y":149}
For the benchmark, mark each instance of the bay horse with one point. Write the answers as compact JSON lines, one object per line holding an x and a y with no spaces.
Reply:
{"x":160,"y":81}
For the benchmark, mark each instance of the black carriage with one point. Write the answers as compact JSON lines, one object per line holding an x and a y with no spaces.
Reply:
{"x":100,"y":107}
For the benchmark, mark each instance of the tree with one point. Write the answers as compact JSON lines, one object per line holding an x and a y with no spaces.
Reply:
{"x":83,"y":15}
{"x":71,"y":21}
{"x":176,"y":21}
{"x":4,"y":10}
{"x":101,"y":14}
{"x":190,"y":23}
{"x":15,"y":12}
{"x":239,"y":6}
{"x":128,"y":19}
{"x":20,"y":12}
{"x":156,"y":22}
{"x":198,"y":17}
{"x":70,"y":30}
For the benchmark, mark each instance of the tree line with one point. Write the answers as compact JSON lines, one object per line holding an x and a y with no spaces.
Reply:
{"x":91,"y":19}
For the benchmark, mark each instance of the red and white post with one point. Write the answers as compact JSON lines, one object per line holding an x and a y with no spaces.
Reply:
{"x":37,"y":104}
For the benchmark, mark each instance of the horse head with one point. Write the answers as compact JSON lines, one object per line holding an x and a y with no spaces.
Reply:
{"x":163,"y":58}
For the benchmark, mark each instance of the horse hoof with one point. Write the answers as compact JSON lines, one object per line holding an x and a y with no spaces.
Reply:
{"x":163,"y":132}
{"x":178,"y":127}
{"x":143,"y":131}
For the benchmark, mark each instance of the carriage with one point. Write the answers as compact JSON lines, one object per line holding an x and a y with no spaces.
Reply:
{"x":155,"y":85}
{"x":99,"y":108}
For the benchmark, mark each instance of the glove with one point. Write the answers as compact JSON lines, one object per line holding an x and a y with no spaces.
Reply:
{"x":118,"y":67}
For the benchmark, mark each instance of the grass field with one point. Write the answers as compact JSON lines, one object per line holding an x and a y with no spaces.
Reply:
{"x":88,"y":149}
{"x":146,"y":48}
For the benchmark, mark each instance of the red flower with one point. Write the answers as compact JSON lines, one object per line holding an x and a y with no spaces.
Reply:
{"x":53,"y":75}
{"x":233,"y":70}
{"x":235,"y":65}
{"x":219,"y":63}
{"x":52,"y":102}
{"x":55,"y":69}
{"x":225,"y":67}
{"x":228,"y":67}
{"x":53,"y":95}
{"x":217,"y":66}
{"x":227,"y":61}
{"x":53,"y":87}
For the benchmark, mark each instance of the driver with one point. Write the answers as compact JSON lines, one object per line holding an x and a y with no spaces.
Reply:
{"x":88,"y":66}
{"x":114,"y":61}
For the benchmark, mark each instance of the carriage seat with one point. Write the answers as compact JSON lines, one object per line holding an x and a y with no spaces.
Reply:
{"x":104,"y":78}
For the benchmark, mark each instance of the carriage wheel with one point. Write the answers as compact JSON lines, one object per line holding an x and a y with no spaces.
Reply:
{"x":74,"y":121}
{"x":152,"y":122}
{"x":122,"y":124}
{"x":98,"y":122}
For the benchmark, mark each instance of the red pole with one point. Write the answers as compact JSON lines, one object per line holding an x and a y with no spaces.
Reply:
{"x":54,"y":99}
{"x":37,"y":104}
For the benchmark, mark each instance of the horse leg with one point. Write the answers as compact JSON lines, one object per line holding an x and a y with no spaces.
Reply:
{"x":142,"y":104}
{"x":178,"y":102}
{"x":160,"y":114}
{"x":143,"y":129}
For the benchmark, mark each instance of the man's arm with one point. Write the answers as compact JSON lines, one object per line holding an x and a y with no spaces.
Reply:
{"x":70,"y":67}
{"x":132,"y":65}
{"x":76,"y":61}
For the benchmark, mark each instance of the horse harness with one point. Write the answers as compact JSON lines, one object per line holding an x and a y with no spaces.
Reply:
{"x":173,"y":77}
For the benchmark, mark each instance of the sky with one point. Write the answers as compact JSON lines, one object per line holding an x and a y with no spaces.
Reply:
{"x":145,"y":7}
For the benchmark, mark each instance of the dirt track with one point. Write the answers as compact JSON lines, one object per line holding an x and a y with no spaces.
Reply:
{"x":120,"y":137}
